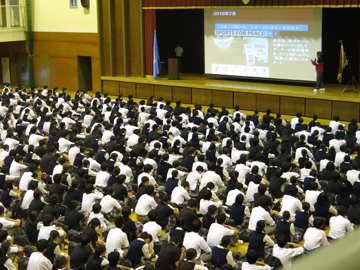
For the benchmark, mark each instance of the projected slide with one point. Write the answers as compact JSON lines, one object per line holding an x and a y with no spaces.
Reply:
{"x":265,"y":43}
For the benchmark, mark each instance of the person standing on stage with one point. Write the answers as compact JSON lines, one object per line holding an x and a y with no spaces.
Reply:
{"x":319,"y":64}
{"x":179,"y":53}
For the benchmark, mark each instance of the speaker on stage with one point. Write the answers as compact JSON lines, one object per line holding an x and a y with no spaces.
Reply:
{"x":85,"y":3}
{"x":173,"y":69}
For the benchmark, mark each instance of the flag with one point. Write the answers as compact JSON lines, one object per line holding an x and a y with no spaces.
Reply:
{"x":156,"y":69}
{"x":343,"y":62}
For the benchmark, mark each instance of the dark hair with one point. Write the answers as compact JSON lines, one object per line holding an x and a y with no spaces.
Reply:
{"x":281,"y":240}
{"x":252,"y":256}
{"x":113,"y":258}
{"x":260,"y":226}
{"x":221,"y":218}
{"x":41,"y":245}
{"x":99,"y":249}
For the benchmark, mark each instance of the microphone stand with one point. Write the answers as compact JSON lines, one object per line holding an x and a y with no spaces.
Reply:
{"x":352,"y":83}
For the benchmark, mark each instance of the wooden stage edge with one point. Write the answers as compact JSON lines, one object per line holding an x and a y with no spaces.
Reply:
{"x":287,"y":99}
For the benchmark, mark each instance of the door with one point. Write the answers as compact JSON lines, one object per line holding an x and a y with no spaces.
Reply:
{"x":84,"y":73}
{"x":44,"y":59}
{"x":5,"y":67}
{"x":22,"y":68}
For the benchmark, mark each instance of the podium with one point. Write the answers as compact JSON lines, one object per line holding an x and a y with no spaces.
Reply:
{"x":173,"y":69}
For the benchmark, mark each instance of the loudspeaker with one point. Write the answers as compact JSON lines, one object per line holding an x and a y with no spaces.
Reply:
{"x":85,"y":3}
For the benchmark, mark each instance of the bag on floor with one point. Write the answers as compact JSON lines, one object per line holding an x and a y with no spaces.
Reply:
{"x":21,"y":240}
{"x":28,"y":250}
{"x":23,"y":263}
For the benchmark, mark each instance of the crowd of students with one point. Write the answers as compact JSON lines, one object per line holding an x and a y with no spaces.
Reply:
{"x":73,"y":171}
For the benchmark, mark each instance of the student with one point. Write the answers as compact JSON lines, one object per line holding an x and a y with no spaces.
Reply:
{"x":285,"y":254}
{"x":53,"y":250}
{"x":189,"y":262}
{"x":153,"y":228}
{"x":303,"y":218}
{"x":315,"y":237}
{"x":47,"y":227}
{"x":239,"y":211}
{"x":5,"y":261}
{"x":81,"y":253}
{"x":340,"y":225}
{"x":253,"y":263}
{"x":323,"y":208}
{"x":37,"y":260}
{"x":210,"y":217}
{"x":32,"y":227}
{"x":97,"y":259}
{"x":110,"y":206}
{"x":117,"y":239}
{"x":114,"y":261}
{"x":221,"y":255}
{"x":259,"y":238}
{"x":354,"y":211}
{"x":166,"y":213}
{"x":145,"y":203}
{"x":195,"y":241}
{"x":140,"y":248}
{"x":260,"y":213}
{"x":284,"y":227}
{"x":89,"y":198}
{"x":170,"y":254}
{"x":219,"y":229}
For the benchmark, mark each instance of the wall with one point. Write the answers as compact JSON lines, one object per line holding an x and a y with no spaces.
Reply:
{"x":65,"y":33}
{"x":57,"y":16}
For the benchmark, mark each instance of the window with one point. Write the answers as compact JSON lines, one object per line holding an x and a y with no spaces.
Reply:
{"x":73,"y":3}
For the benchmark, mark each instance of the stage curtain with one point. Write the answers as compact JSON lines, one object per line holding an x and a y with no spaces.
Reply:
{"x":150,"y":27}
{"x":255,"y":3}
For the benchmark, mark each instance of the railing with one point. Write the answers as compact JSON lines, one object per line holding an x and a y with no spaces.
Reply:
{"x":11,"y":15}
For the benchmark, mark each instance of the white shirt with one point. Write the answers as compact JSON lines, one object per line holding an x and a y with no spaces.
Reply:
{"x":145,"y":204}
{"x":107,"y":136}
{"x":339,"y":158}
{"x":12,"y":143}
{"x":259,"y":213}
{"x":291,"y":204}
{"x":248,"y":266}
{"x":236,"y":154}
{"x":195,"y":241}
{"x":199,"y":163}
{"x":6,"y":223}
{"x":336,"y":144}
{"x":152,"y":181}
{"x":262,"y":167}
{"x":15,"y":168}
{"x":169,"y":174}
{"x":132,"y":140}
{"x":193,"y":178}
{"x":34,"y":139}
{"x":88,"y":201}
{"x":64,"y":145}
{"x":100,"y":217}
{"x":243,"y":171}
{"x":25,"y":180}
{"x":179,"y":195}
{"x":231,"y":197}
{"x":216,"y":233}
{"x":311,"y":197}
{"x":226,"y":161}
{"x":102,"y":178}
{"x":285,"y":255}
{"x":116,"y":240}
{"x":108,"y":203}
{"x":151,"y":162}
{"x":314,"y":238}
{"x":339,"y":226}
{"x":252,"y":189}
{"x":211,"y":176}
{"x":72,"y":154}
{"x":299,"y":155}
{"x":352,"y":176}
{"x":154,"y":229}
{"x":68,"y":121}
{"x":179,"y":51}
{"x":204,"y":205}
{"x":44,"y":232}
{"x":38,"y":261}
{"x":335,"y":126}
{"x":125,"y":170}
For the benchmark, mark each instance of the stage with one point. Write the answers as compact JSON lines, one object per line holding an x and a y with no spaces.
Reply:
{"x":201,"y":89}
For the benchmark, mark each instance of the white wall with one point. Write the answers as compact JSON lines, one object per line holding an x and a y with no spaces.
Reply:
{"x":57,"y":16}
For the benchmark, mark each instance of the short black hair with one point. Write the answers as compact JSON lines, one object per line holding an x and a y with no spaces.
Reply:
{"x":41,"y":245}
{"x":252,"y":256}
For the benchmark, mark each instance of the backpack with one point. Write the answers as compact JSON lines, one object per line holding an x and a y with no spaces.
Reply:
{"x":23,"y":263}
{"x":21,"y":240}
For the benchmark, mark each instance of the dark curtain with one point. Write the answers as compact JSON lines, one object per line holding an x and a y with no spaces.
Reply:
{"x":256,"y":3}
{"x":30,"y":41}
{"x":150,"y":27}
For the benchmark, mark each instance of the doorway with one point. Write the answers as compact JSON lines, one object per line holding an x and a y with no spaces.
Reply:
{"x":85,"y":73}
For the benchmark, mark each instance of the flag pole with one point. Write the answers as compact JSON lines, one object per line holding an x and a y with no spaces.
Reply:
{"x":353,"y":83}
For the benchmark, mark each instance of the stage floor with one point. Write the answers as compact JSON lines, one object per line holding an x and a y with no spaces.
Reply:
{"x":333,"y":91}
{"x":203,"y":90}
